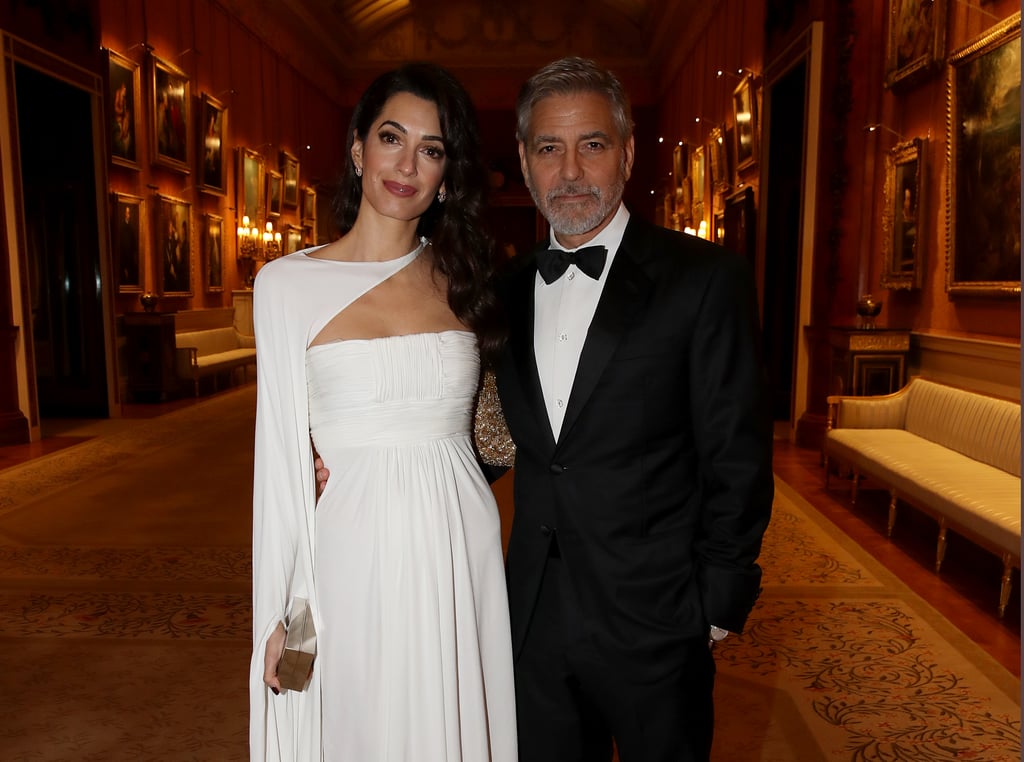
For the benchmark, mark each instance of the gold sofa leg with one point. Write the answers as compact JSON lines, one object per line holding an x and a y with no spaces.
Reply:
{"x":892,"y":513}
{"x":940,"y":551}
{"x":854,"y":485}
{"x":1007,"y":584}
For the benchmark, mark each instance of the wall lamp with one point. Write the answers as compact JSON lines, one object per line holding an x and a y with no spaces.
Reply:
{"x":739,"y":73}
{"x":877,"y":127}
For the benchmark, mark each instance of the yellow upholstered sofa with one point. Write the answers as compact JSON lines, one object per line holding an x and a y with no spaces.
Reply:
{"x":952,"y":453}
{"x":208,"y":344}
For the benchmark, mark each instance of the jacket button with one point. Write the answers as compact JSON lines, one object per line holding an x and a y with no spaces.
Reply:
{"x":546,"y":530}
{"x":557,"y":468}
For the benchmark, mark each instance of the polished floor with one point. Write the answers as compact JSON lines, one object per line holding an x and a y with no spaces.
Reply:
{"x":965,"y":592}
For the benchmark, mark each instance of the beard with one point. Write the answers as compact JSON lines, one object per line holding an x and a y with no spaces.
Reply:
{"x":578,"y":217}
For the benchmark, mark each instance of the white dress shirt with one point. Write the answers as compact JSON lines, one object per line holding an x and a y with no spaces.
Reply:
{"x":563,"y":313}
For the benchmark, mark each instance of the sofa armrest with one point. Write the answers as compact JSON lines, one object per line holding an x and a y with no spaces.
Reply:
{"x":245,"y":340}
{"x":887,"y":411}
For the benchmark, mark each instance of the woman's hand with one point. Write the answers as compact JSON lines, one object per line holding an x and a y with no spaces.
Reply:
{"x":322,"y":475}
{"x":272,"y":657}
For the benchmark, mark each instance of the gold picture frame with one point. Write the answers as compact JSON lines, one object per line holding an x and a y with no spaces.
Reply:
{"x":172,"y":235}
{"x":915,"y":40}
{"x":171,"y":115}
{"x":745,"y":126}
{"x":983,"y":164}
{"x":902,"y":247}
{"x":123,"y":86}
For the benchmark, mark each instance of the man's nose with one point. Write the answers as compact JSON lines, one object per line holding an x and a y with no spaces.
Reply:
{"x":572,"y":168}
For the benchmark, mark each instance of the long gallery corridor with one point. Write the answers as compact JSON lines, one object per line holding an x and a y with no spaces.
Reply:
{"x":125,"y":600}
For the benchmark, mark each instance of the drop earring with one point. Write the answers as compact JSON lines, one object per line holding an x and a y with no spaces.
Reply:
{"x":441,"y":196}
{"x":359,"y":171}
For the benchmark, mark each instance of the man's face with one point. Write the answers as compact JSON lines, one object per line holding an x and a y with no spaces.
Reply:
{"x":575,"y":164}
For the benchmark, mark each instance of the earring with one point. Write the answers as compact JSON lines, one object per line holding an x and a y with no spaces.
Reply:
{"x":441,"y":196}
{"x":359,"y":171}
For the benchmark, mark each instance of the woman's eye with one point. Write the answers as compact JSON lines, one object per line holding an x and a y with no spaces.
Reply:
{"x":434,"y":152}
{"x":388,"y":137}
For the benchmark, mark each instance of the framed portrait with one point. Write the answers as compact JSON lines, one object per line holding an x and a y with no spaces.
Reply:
{"x":275,"y":185}
{"x":127,"y":239}
{"x":983,"y":164}
{"x":172,"y":228}
{"x":212,"y":138}
{"x":170,"y":122}
{"x":250,"y":185}
{"x":717,"y":154}
{"x":745,"y":129}
{"x":697,"y":182}
{"x":902,"y":253}
{"x":290,"y":172}
{"x":123,"y":82}
{"x":915,"y":40}
{"x":309,"y":212}
{"x":213,"y":252}
{"x":293,"y":238}
{"x":739,"y":223}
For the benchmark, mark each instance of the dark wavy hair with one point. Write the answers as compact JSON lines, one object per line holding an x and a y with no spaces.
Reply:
{"x":463,"y":250}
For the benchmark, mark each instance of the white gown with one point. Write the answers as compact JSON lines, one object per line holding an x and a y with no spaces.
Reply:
{"x":404,"y":562}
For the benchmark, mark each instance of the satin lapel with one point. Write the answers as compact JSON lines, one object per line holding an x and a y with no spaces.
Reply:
{"x":625,"y":292}
{"x":521,"y":319}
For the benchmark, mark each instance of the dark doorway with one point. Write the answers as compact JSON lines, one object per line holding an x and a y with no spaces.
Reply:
{"x":784,"y":199}
{"x":55,"y":135}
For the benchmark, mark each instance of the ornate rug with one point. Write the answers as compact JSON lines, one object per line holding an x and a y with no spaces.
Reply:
{"x":124,"y":620}
{"x":841,"y":661}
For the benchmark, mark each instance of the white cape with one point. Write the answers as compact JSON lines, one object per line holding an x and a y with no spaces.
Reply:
{"x":294,"y":298}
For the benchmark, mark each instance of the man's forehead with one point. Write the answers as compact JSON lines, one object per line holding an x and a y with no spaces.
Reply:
{"x":572,"y":115}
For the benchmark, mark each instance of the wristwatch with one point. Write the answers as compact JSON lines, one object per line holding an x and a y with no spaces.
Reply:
{"x":716,"y":634}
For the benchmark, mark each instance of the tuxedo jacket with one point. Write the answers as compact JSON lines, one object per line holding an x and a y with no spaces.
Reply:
{"x":659,"y":487}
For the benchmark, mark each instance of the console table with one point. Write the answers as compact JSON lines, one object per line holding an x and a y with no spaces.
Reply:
{"x":868,"y":361}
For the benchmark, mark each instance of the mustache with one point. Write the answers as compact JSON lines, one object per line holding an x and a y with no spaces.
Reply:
{"x":574,"y":190}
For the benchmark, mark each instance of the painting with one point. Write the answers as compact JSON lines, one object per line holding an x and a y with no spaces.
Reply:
{"x":293,"y":236}
{"x":290,"y":171}
{"x":213,"y":250}
{"x":173,"y":245}
{"x":717,"y":159}
{"x":212,"y":137}
{"x":250,"y":185}
{"x":915,"y":40}
{"x":171,"y":102}
{"x":123,"y":109}
{"x":309,"y":213}
{"x":127,"y":240}
{"x":275,"y":185}
{"x":745,"y":130}
{"x":739,"y":225}
{"x":983,"y":164}
{"x":697,"y":182}
{"x":902,"y":250}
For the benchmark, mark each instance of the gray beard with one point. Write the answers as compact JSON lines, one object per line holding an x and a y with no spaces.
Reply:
{"x":572,"y":222}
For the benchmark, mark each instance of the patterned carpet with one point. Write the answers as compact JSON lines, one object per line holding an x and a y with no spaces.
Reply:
{"x":124,"y":620}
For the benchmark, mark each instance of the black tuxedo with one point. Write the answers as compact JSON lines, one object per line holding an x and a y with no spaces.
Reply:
{"x":659,"y":487}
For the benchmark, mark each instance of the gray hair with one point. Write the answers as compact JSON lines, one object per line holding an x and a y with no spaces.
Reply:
{"x":568,"y":76}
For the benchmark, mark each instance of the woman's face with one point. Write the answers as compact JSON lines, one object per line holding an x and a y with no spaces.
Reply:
{"x":402,"y":158}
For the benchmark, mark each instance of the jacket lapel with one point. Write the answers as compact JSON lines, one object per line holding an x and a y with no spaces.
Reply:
{"x":520,"y":308}
{"x":625,"y":293}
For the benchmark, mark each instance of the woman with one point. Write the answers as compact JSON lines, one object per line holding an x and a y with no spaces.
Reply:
{"x":371,"y":346}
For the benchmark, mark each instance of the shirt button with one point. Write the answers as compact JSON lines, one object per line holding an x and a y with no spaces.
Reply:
{"x":570,"y":276}
{"x":560,"y":403}
{"x":563,"y":337}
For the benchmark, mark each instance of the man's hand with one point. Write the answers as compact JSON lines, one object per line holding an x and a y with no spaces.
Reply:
{"x":322,"y":475}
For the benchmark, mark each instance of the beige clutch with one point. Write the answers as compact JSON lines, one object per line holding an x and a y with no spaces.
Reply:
{"x":296,"y":665}
{"x":493,"y":442}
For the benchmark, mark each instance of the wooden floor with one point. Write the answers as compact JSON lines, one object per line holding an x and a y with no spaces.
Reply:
{"x":966,"y":592}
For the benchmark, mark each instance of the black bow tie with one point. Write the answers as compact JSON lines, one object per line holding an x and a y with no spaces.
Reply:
{"x":554,"y":262}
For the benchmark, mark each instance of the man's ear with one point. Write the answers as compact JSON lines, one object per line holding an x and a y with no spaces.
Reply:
{"x":522,"y":162}
{"x":628,"y":149}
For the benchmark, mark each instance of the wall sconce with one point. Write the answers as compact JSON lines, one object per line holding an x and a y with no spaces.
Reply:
{"x":878,"y":127}
{"x":739,"y":73}
{"x":248,"y":239}
{"x":271,"y":242}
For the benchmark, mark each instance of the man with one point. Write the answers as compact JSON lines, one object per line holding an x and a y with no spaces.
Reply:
{"x":643,"y":485}
{"x":633,"y":389}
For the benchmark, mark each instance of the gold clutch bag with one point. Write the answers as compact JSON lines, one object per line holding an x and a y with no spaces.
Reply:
{"x":296,"y":665}
{"x":493,"y":442}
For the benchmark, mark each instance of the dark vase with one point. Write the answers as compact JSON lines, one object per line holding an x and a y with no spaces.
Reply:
{"x":148,"y":301}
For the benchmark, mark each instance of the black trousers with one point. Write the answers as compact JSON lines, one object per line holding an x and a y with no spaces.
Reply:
{"x":571,"y":703}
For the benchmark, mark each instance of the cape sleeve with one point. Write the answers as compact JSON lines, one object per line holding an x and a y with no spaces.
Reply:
{"x":285,"y":726}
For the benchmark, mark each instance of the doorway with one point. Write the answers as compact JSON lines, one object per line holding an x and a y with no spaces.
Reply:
{"x":62,"y":244}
